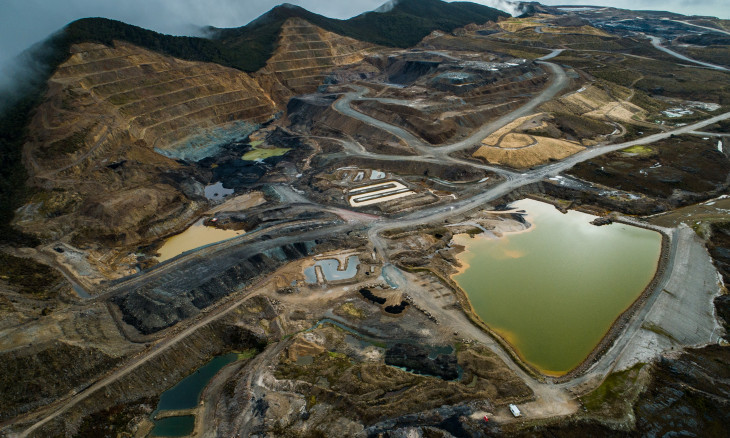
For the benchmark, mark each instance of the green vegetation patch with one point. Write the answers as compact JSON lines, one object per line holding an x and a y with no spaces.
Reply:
{"x":330,"y":365}
{"x":350,"y":310}
{"x":259,"y":153}
{"x":247,"y":354}
{"x":29,"y":276}
{"x":639,"y":150}
{"x":616,"y":394}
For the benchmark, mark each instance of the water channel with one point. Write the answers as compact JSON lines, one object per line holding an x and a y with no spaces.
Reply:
{"x":553,"y":290}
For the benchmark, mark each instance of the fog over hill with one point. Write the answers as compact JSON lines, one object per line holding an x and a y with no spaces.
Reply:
{"x":27,"y":22}
{"x":715,"y":8}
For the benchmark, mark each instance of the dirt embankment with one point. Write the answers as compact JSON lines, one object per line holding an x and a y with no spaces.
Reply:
{"x":55,"y":353}
{"x":304,"y":57}
{"x":719,"y":247}
{"x":162,"y":304}
{"x":104,"y":145}
{"x":686,"y":393}
{"x":237,"y":332}
{"x":314,"y":114}
{"x":38,"y":375}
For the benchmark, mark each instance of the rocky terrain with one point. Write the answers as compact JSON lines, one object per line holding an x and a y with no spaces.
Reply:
{"x":333,"y":162}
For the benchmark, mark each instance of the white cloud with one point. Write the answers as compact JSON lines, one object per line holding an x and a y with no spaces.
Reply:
{"x":715,"y":8}
{"x":25,"y":22}
{"x":512,"y":8}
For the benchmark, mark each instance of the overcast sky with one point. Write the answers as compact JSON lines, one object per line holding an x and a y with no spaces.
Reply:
{"x":25,"y":22}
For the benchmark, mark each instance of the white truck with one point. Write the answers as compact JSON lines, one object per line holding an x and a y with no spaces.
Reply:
{"x":515,"y":410}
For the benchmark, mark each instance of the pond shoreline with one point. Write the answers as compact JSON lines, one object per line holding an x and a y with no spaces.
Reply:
{"x":606,"y":341}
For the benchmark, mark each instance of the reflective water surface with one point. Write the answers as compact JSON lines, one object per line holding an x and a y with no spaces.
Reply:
{"x":554,"y":290}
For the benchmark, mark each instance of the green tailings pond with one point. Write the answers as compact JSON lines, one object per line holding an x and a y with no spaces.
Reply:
{"x":186,"y":395}
{"x":195,"y":236}
{"x":554,"y":290}
{"x":174,"y":426}
{"x":258,"y":153}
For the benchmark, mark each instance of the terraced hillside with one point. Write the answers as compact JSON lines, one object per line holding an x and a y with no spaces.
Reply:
{"x":163,"y":99}
{"x":107,"y":111}
{"x":135,"y":86}
{"x":116,"y":119}
{"x":304,"y":56}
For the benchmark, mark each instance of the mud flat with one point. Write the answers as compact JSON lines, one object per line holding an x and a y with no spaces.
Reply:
{"x":194,"y":237}
{"x":553,"y":291}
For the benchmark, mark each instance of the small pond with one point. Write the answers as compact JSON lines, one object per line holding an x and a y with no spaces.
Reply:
{"x":330,"y":270}
{"x":186,"y":395}
{"x":195,"y":236}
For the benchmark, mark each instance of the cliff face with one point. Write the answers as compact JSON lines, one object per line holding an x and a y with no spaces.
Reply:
{"x":106,"y":142}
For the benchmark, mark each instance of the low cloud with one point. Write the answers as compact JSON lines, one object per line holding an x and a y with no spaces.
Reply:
{"x":512,"y":8}
{"x":25,"y":22}
{"x":715,"y":8}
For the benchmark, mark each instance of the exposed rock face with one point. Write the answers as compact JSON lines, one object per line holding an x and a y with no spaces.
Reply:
{"x":151,"y":309}
{"x":600,"y":221}
{"x":38,"y":374}
{"x":305,"y":54}
{"x":417,"y":358}
{"x":93,"y":140}
{"x":116,"y":120}
{"x":162,"y":99}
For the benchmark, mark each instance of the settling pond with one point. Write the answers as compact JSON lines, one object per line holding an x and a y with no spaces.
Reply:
{"x":186,"y":395}
{"x":331,"y":270}
{"x":195,"y":236}
{"x":553,"y":290}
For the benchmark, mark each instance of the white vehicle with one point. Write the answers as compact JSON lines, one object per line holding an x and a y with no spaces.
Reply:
{"x":515,"y":410}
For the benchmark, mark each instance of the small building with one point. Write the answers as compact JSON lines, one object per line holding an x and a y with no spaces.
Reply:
{"x":515,"y":410}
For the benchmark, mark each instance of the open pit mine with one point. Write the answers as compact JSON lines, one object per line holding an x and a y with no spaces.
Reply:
{"x":429,"y":220}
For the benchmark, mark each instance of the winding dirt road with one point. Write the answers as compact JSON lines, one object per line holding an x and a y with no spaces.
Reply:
{"x":552,"y":399}
{"x":657,"y":43}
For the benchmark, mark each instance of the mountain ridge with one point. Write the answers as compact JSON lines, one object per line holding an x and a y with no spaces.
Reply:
{"x":247,"y":48}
